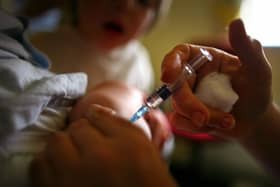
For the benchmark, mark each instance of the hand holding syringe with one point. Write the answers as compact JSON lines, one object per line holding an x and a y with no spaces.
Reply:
{"x":161,"y":94}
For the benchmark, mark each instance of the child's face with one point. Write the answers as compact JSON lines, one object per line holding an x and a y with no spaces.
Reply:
{"x":112,"y":23}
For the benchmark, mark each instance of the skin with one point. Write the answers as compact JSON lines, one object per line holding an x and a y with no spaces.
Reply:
{"x":132,"y":17}
{"x":242,"y":69}
{"x":118,"y":156}
{"x":103,"y":32}
{"x":118,"y":162}
{"x":189,"y":108}
{"x":254,"y":120}
{"x":125,"y":101}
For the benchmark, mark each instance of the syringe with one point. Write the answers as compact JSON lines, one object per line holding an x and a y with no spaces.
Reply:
{"x":166,"y":90}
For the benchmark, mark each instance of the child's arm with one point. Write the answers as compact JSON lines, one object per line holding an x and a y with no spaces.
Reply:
{"x":125,"y":100}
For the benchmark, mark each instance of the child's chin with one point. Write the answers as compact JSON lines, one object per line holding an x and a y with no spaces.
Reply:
{"x":110,"y":45}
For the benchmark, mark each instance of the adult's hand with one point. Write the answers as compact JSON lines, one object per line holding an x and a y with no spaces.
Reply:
{"x":255,"y":119}
{"x":250,"y":75}
{"x":126,"y":100}
{"x":102,"y":150}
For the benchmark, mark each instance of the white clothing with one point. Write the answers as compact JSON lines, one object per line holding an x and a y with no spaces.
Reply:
{"x":69,"y":53}
{"x":26,"y":88}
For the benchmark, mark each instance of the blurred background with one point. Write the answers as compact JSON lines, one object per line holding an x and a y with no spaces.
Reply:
{"x":199,"y":162}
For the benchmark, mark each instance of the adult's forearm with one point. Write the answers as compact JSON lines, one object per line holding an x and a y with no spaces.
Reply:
{"x":264,"y":140}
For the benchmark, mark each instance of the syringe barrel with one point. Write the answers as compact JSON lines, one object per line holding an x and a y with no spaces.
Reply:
{"x":200,"y":60}
{"x":190,"y":68}
{"x":158,"y":96}
{"x":161,"y":94}
{"x":186,"y":73}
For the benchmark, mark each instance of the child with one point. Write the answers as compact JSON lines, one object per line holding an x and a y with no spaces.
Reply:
{"x":255,"y":125}
{"x":34,"y":102}
{"x":101,"y":39}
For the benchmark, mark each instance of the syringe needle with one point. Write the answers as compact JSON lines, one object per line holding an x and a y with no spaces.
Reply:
{"x":140,"y":112}
{"x":161,"y":94}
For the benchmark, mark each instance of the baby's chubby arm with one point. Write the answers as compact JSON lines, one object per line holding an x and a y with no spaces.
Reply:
{"x":125,"y":100}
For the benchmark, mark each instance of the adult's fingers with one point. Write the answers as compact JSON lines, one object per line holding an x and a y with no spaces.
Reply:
{"x":249,"y":50}
{"x":40,"y":172}
{"x":184,"y":101}
{"x":220,"y":120}
{"x":107,"y":123}
{"x":60,"y":152}
{"x":159,"y":126}
{"x":180,"y":125}
{"x":188,"y":105}
{"x":240,"y":41}
{"x":174,"y":61}
{"x":222,"y":62}
{"x":253,"y":81}
{"x":83,"y":135}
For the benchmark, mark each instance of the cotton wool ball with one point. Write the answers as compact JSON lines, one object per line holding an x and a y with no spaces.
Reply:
{"x":215,"y":90}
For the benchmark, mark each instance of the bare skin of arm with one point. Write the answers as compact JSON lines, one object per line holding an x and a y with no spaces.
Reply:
{"x":125,"y":100}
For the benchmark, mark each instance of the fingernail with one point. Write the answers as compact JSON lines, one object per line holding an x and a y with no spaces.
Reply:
{"x":228,"y":122}
{"x":198,"y":118}
{"x":97,"y":110}
{"x":213,"y":125}
{"x":93,"y":111}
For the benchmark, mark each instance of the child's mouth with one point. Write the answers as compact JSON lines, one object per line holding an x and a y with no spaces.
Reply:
{"x":113,"y":27}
